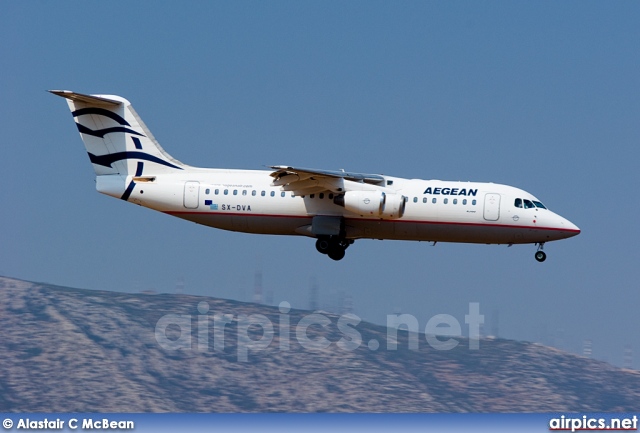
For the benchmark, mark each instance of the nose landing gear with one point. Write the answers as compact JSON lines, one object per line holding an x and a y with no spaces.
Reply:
{"x":540,"y":255}
{"x":333,"y":246}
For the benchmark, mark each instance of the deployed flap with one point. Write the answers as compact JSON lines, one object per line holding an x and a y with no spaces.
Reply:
{"x":309,"y":180}
{"x":282,"y":170}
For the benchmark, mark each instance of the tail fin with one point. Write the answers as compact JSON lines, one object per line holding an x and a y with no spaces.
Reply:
{"x":117,"y":140}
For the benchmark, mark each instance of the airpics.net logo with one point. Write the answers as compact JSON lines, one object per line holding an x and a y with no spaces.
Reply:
{"x":591,"y":423}
{"x":256,"y":332}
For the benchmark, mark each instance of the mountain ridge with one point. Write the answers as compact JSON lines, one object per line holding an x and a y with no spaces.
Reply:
{"x":82,"y":350}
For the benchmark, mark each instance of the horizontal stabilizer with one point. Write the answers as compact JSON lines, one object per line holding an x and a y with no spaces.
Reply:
{"x":87,"y":99}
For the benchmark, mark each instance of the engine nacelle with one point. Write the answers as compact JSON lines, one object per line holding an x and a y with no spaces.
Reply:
{"x":363,"y":203}
{"x":394,"y":206}
{"x":372,"y":203}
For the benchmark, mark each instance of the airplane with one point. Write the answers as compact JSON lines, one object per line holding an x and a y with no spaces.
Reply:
{"x":335,"y":207}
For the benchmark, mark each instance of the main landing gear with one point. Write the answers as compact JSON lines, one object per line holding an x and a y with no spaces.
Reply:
{"x":333,"y":246}
{"x":540,"y":255}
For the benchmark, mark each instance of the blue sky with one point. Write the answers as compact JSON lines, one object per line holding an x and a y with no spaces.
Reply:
{"x":539,"y":95}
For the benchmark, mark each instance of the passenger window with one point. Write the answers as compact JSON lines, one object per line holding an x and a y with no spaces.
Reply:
{"x":528,"y":204}
{"x":424,"y":200}
{"x":330,"y":196}
{"x":518,"y":202}
{"x":244,"y":192}
{"x":415,"y":199}
{"x":312,"y":196}
{"x":455,"y":201}
{"x":216,"y":191}
{"x":464,"y":201}
{"x":273,"y":193}
{"x":207,"y":191}
{"x":235,"y":192}
{"x":321,"y":195}
{"x":292,"y":195}
{"x":253,"y":192}
{"x":282,"y":194}
{"x":446,"y":200}
{"x":262,"y":193}
{"x":473,"y":202}
{"x":434,"y":200}
{"x":226,"y":191}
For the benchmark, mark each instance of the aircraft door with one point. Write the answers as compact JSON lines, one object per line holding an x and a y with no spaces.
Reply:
{"x":191,"y":193}
{"x":492,"y":207}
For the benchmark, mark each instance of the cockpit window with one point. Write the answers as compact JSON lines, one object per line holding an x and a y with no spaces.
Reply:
{"x":528,"y":204}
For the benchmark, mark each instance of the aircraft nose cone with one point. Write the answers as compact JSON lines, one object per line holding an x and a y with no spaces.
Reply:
{"x":573,"y":229}
{"x":565,"y":228}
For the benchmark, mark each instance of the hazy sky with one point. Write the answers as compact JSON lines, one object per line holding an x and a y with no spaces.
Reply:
{"x":544,"y":96}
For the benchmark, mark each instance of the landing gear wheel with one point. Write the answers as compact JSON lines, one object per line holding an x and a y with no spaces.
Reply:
{"x":344,"y":243}
{"x":540,"y":256}
{"x":337,"y":253}
{"x":323,"y":246}
{"x":333,"y":246}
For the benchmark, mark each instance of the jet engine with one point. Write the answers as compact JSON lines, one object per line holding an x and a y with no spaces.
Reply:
{"x":394,"y":206}
{"x":364,"y":203}
{"x":372,"y":203}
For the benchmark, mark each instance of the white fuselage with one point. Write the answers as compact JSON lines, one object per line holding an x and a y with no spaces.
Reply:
{"x":247,"y":201}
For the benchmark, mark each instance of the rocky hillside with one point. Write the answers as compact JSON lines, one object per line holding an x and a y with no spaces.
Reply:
{"x":65,"y":349}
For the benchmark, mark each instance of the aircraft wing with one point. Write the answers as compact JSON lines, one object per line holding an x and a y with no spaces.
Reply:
{"x":310,"y":180}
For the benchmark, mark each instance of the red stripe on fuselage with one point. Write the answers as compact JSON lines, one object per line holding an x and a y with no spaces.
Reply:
{"x":247,"y":214}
